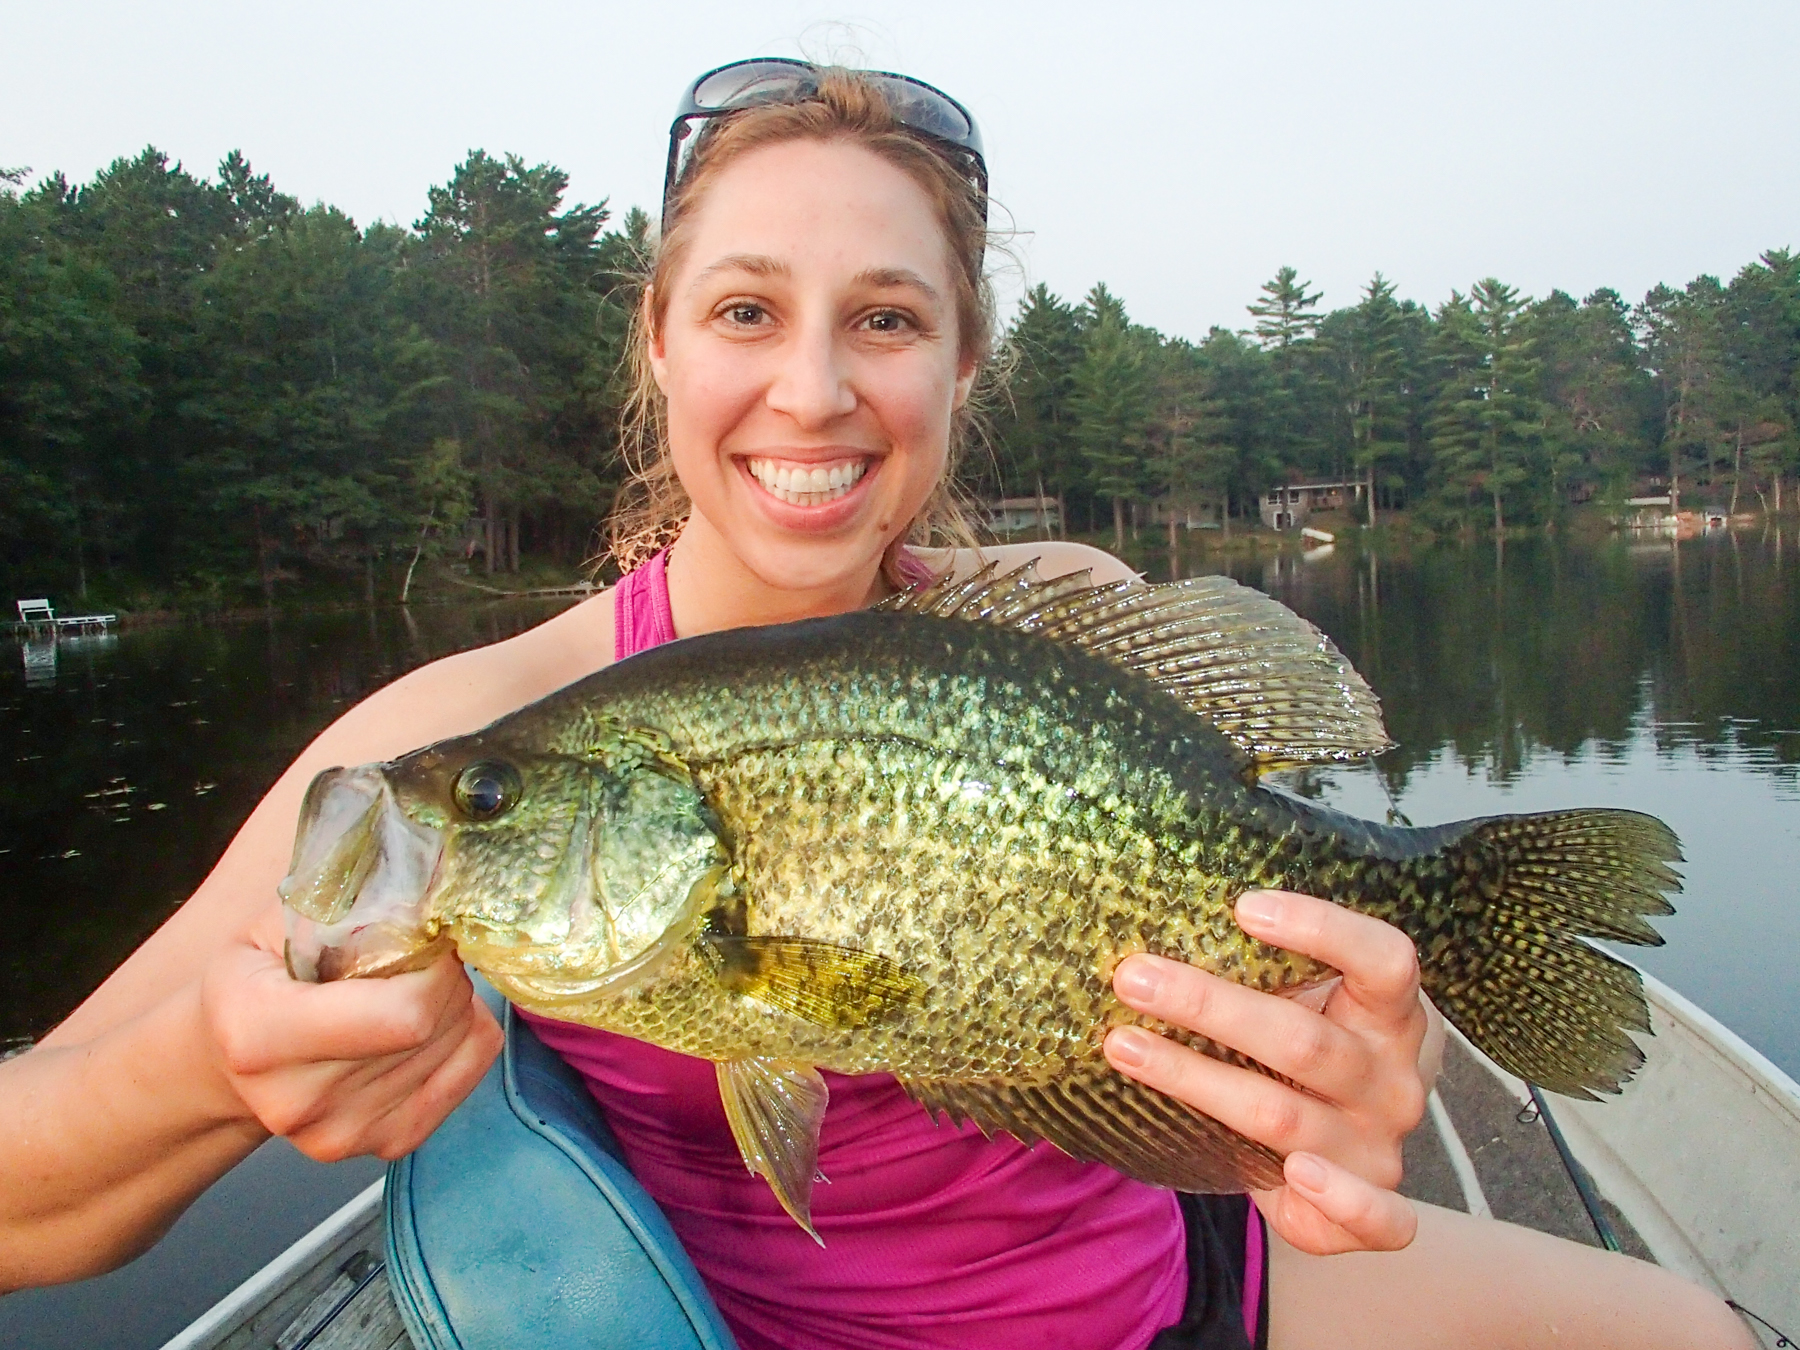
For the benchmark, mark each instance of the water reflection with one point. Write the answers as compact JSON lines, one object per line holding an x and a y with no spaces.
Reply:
{"x":1661,"y":675}
{"x":133,"y":759}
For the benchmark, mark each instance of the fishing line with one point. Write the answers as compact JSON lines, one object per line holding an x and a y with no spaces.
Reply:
{"x":1781,"y":1340}
{"x":1590,"y":1201}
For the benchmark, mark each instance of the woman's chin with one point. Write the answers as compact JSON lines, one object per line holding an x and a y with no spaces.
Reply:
{"x":815,"y":562}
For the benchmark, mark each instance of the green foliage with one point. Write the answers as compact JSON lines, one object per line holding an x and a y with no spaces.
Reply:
{"x":1493,"y":409}
{"x":208,"y":390}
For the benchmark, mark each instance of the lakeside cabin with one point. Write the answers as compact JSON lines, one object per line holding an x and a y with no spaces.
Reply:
{"x":1288,"y":506}
{"x":1008,"y":515}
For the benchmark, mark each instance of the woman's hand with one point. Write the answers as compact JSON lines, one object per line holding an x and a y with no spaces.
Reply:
{"x":356,"y":1066}
{"x":1358,"y":1061}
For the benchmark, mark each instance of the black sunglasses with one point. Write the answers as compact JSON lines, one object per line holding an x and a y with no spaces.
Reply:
{"x":917,"y":106}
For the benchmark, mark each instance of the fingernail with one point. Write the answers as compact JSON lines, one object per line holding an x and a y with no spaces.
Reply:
{"x":1306,"y":1172}
{"x":1260,"y":907}
{"x":1138,"y":981}
{"x":1128,"y":1047}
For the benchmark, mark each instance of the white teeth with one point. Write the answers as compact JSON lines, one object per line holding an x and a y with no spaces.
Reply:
{"x":803,"y":485}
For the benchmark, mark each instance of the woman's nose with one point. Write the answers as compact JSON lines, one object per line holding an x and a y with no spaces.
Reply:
{"x":812,"y":384}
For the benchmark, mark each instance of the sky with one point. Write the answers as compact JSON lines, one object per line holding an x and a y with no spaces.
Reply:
{"x":1178,"y":152}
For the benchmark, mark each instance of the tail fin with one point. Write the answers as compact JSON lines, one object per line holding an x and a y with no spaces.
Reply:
{"x":1523,"y":983}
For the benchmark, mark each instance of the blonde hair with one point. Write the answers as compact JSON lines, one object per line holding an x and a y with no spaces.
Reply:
{"x":652,"y":506}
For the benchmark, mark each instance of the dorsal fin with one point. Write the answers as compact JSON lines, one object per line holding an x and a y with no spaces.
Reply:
{"x":1249,"y":665}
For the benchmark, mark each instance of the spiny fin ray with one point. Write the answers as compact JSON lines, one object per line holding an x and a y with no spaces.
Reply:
{"x":1265,"y":677}
{"x":775,"y":1108}
{"x":1097,"y":1115}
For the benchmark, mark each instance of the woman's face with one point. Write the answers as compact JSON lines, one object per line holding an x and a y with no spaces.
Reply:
{"x":809,"y":355}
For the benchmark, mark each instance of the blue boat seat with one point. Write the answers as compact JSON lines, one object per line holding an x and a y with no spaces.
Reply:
{"x":517,"y":1225}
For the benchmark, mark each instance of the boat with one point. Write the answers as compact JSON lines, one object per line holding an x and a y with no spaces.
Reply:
{"x":1695,"y":1166}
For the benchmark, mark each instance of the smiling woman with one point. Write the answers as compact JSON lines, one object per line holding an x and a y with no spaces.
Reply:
{"x":810,"y":335}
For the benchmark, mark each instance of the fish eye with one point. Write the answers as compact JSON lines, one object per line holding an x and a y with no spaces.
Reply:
{"x":487,"y":789}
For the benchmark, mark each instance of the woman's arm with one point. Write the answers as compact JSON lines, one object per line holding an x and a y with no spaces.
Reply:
{"x":200,"y":1046}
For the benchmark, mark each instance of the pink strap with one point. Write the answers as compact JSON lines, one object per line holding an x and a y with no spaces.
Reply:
{"x":1253,"y":1272}
{"x":641,"y":617}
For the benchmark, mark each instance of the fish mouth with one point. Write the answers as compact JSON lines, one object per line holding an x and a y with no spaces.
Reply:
{"x":355,"y":896}
{"x":808,"y":483}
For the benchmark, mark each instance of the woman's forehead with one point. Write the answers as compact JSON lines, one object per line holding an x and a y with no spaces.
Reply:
{"x":809,"y":208}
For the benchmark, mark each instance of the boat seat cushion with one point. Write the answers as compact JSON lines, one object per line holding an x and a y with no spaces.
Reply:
{"x":517,"y":1225}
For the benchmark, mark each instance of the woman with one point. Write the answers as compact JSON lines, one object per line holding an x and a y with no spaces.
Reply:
{"x":814,"y":326}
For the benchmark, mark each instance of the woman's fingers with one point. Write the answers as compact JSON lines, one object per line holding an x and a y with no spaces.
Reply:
{"x":1325,"y":1209}
{"x":1259,"y":1107}
{"x":1379,"y":963}
{"x":387,"y":1107}
{"x":356,"y":1066}
{"x":268,"y":1019}
{"x":1288,"y":1037}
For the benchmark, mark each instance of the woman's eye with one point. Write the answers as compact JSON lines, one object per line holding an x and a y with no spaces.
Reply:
{"x":887,"y":321}
{"x":745,"y":316}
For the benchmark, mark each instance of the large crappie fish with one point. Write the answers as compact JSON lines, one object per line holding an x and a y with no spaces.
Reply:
{"x":918,"y":840}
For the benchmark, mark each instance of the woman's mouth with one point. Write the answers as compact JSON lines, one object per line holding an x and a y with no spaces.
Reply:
{"x":800,"y":484}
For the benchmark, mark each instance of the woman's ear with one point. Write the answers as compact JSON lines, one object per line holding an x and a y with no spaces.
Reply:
{"x":659,"y":359}
{"x":966,"y":371}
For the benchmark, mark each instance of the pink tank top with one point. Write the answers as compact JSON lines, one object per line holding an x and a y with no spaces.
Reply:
{"x":934,"y":1236}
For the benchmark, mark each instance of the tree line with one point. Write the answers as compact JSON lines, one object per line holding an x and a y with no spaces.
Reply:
{"x":209,"y":392}
{"x":1491,"y":410}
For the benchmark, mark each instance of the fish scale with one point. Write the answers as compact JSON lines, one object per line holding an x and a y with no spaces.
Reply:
{"x":920,"y":842}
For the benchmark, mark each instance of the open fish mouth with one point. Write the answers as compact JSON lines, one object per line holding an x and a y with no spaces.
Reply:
{"x":355,"y":896}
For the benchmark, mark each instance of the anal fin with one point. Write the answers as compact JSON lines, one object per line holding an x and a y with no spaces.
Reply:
{"x":1098,"y":1115}
{"x":775,"y":1107}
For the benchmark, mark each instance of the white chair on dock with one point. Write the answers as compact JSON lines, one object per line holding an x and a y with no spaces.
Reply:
{"x":35,"y":612}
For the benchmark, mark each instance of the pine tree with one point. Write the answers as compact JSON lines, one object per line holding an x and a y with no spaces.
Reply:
{"x":1110,"y":398}
{"x":1370,"y":349}
{"x":1034,"y":426}
{"x":1488,"y":419}
{"x":1282,"y":315}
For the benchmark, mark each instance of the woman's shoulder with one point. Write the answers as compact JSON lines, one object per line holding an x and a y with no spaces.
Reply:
{"x":1054,"y":557}
{"x":465,"y":691}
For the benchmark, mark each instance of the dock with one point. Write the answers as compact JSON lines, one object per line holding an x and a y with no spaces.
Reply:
{"x":37,"y":617}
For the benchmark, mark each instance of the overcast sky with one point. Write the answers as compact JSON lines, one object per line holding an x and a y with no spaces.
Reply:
{"x":1180,"y":152}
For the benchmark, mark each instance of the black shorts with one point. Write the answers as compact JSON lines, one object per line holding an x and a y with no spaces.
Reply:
{"x":1228,"y":1277}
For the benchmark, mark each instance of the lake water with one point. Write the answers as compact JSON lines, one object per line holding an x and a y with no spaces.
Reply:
{"x":1650,"y":675}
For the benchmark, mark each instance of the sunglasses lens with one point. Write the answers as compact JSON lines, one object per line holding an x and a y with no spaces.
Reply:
{"x":750,"y":83}
{"x":926,"y":110}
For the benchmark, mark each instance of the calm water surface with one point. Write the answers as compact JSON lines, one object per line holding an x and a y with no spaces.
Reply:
{"x":133,"y":759}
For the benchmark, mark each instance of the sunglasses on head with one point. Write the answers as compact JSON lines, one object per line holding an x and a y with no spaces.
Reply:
{"x":917,"y":106}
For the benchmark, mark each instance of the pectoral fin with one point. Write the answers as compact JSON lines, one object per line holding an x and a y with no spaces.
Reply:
{"x":775,"y":1108}
{"x":828,"y":985}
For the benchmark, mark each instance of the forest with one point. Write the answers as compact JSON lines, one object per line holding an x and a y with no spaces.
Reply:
{"x":212,"y":396}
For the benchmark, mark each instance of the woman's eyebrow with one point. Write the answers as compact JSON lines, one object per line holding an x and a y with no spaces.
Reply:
{"x":756,"y":264}
{"x":882,"y":277}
